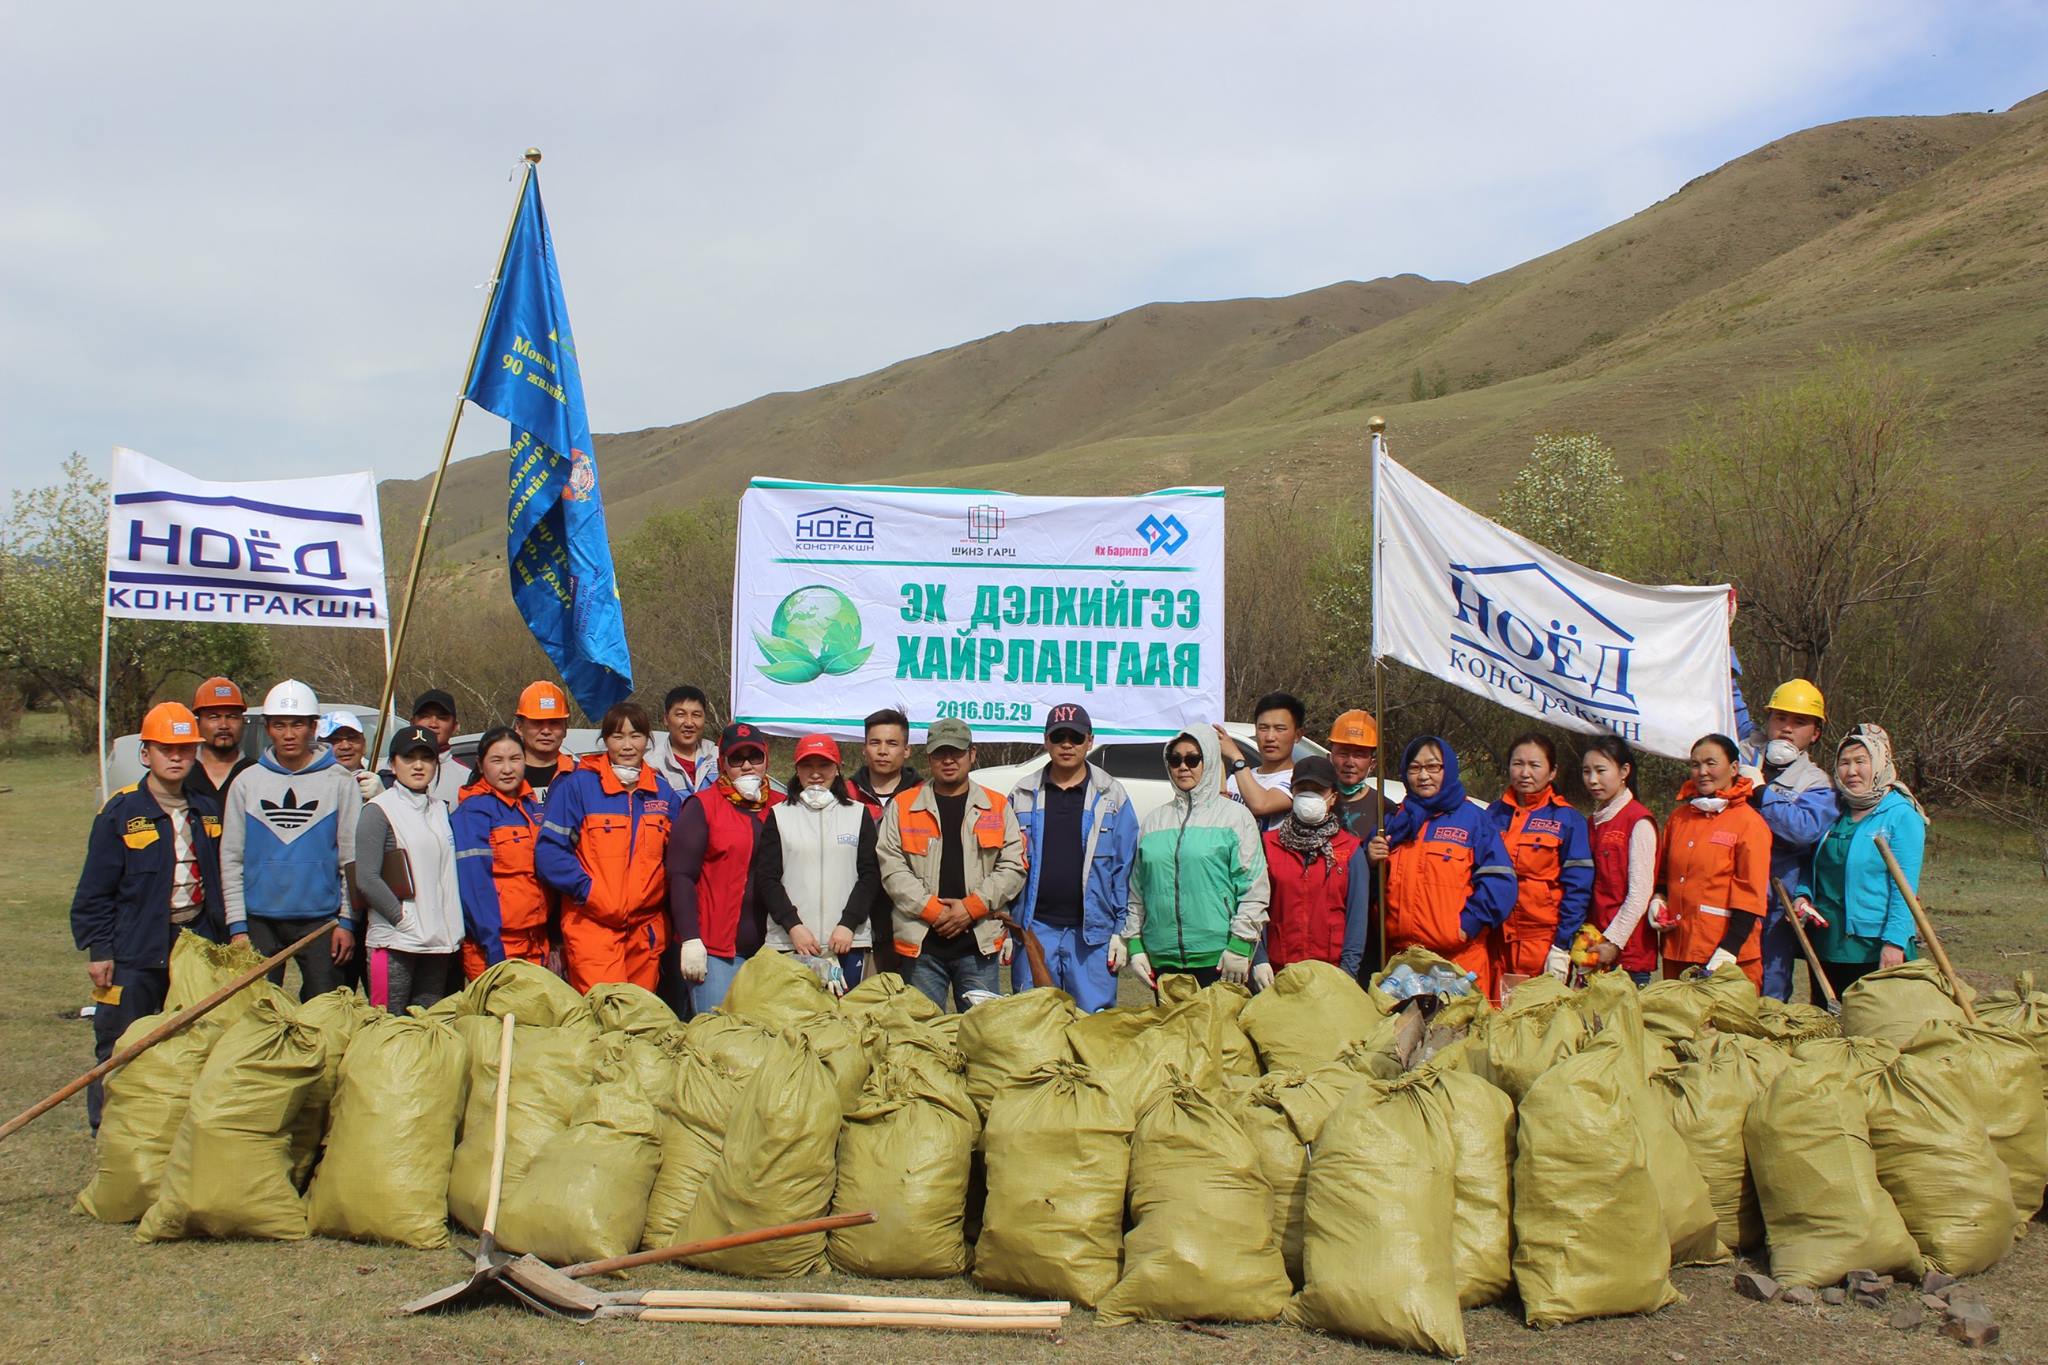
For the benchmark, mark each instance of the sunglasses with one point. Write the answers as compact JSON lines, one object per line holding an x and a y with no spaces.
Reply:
{"x":1184,"y":759}
{"x":1066,"y":737}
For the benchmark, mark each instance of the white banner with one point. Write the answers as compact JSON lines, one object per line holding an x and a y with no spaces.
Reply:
{"x":982,"y":606}
{"x":1471,"y":602}
{"x":291,"y":552}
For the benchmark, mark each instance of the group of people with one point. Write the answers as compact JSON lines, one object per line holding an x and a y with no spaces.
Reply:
{"x":667,"y":858}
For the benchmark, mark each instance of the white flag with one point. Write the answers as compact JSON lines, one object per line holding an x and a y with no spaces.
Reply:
{"x":1465,"y":599}
{"x":288,"y":552}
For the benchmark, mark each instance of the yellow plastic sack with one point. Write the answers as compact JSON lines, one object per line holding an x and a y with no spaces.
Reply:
{"x":1059,"y":1152}
{"x":1206,"y":1259}
{"x":1482,"y":1124}
{"x":838,"y":1042}
{"x":1307,"y":1016}
{"x":1936,"y":1161}
{"x":1683,"y":1198}
{"x":738,"y":1046}
{"x":585,"y":1196}
{"x":145,"y":1105}
{"x":1215,"y":1013}
{"x":774,"y":990}
{"x":1586,"y":1243}
{"x":229,"y":1172}
{"x":694,"y":1116}
{"x":1893,"y":1002}
{"x":335,"y":1016}
{"x":621,"y":1006}
{"x":905,"y":1153}
{"x":1310,"y":1097}
{"x":538,"y":997}
{"x":551,"y":1069}
{"x":1825,"y":1213}
{"x":777,"y":1167}
{"x":384,"y":1175}
{"x":1535,"y":1030}
{"x":1707,"y":1098}
{"x":2024,"y":1010}
{"x":884,"y":1001}
{"x":1006,"y":1039}
{"x":2000,"y":1076}
{"x":1283,"y":1161}
{"x":1377,"y":1254}
{"x":1610,"y":1003}
{"x":199,"y":967}
{"x":1789,"y":1023}
{"x":1674,"y":1011}
{"x":1416,"y":959}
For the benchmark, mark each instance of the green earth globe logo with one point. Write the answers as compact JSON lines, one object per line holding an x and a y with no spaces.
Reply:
{"x":815,"y":632}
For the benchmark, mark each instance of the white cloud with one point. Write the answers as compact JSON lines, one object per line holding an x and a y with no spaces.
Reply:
{"x":246,"y":239}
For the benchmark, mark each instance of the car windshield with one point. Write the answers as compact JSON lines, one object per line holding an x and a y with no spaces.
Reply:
{"x":1127,"y":762}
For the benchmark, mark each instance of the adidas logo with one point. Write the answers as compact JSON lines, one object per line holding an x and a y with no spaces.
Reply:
{"x":288,"y":815}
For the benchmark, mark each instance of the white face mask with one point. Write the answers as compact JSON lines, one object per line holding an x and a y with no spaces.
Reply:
{"x":748,"y":785}
{"x":1311,"y":808}
{"x":817,"y":798}
{"x":1781,"y":753}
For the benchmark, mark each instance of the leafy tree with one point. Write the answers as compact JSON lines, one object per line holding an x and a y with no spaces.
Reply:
{"x":1567,"y":498}
{"x":52,"y":570}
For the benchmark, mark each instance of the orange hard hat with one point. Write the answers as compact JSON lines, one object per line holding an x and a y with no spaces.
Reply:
{"x":1355,"y":727}
{"x":168,"y":722}
{"x":218,"y":693}
{"x":543,"y":701}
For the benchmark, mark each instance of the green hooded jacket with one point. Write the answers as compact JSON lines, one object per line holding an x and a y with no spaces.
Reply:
{"x":1199,"y":887}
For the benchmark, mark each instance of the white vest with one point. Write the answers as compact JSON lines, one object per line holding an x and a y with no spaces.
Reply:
{"x":432,"y":922}
{"x":820,"y":849}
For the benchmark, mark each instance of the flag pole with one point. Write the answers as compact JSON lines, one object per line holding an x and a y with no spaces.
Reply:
{"x":1378,"y":427}
{"x":395,"y":644}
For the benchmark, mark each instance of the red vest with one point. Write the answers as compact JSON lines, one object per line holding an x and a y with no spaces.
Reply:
{"x":722,"y":883}
{"x":1306,"y":914}
{"x":1610,"y":884}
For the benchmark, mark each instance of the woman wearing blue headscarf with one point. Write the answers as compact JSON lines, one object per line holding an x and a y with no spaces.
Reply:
{"x":1449,"y":878}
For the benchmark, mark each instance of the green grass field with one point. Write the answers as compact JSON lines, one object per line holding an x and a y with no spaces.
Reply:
{"x":79,"y":1290}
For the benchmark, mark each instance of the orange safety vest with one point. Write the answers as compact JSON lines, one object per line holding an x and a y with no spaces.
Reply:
{"x":1709,"y":865}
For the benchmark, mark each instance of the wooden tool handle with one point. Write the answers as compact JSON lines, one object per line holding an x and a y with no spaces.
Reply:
{"x":489,"y":1230}
{"x":178,"y":1023}
{"x":1926,"y":928}
{"x":770,"y":1300}
{"x":1827,"y":989}
{"x":942,"y":1322}
{"x":585,"y":1269}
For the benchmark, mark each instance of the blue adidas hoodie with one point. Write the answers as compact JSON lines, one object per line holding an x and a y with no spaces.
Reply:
{"x":285,"y":839}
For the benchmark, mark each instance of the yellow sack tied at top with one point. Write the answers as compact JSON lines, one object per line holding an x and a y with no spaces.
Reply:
{"x":527,"y":990}
{"x":584,"y":1198}
{"x":1586,"y":1244}
{"x":199,"y":967}
{"x":1535,"y":1030}
{"x":1707,"y":1098}
{"x":1999,"y":1075}
{"x":1216,"y":1013}
{"x":775,"y":990}
{"x":622,"y":1007}
{"x":1482,"y":1122}
{"x":1893,"y":1002}
{"x":1006,"y":1039}
{"x":1682,"y":1194}
{"x":335,"y":1016}
{"x":1825,"y":1213}
{"x":1059,"y":1152}
{"x":145,"y":1105}
{"x":1307,"y":1017}
{"x":384,"y":1174}
{"x":694,"y":1115}
{"x":229,"y":1172}
{"x":1937,"y":1163}
{"x":905,"y":1153}
{"x":2024,"y":1010}
{"x":884,"y":999}
{"x":1202,"y":1249}
{"x":1611,"y":1002}
{"x":777,"y":1166}
{"x":1283,"y":1161}
{"x":551,"y":1069}
{"x":843,"y":1048}
{"x":740,"y":1047}
{"x":1378,"y":1252}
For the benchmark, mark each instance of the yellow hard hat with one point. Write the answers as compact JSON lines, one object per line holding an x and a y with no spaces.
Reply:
{"x":1798,"y":698}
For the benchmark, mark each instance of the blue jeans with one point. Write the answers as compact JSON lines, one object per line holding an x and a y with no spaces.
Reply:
{"x":1077,"y":969}
{"x":709,"y":994}
{"x":1781,"y":951}
{"x":972,"y":972}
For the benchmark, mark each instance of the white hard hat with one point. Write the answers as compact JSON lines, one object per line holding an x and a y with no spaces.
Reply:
{"x":291,"y":698}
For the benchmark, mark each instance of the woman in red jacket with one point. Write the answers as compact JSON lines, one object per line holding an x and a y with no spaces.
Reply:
{"x":1713,"y":869}
{"x":1321,"y":889}
{"x":1624,"y":858}
{"x":603,"y":838}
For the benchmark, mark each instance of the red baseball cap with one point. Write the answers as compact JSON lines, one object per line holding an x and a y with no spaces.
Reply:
{"x":817,"y":746}
{"x":739,"y":736}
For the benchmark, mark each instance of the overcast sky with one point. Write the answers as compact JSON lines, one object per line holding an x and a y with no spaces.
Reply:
{"x":248,"y":239}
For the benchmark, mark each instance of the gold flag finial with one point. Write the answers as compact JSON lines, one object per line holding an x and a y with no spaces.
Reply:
{"x":1376,"y":424}
{"x":533,"y":155}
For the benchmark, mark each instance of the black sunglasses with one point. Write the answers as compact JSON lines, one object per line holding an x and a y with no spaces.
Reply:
{"x":1066,"y":737}
{"x":1181,"y":758}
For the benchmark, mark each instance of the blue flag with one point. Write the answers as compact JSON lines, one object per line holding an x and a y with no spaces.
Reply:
{"x":556,"y":548}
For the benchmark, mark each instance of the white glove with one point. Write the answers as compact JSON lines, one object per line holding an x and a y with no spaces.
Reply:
{"x":1721,"y":958}
{"x":1557,"y":962}
{"x":1753,"y":773}
{"x":693,"y":963}
{"x":1262,"y":975}
{"x":1234,"y":967}
{"x":1656,"y":915}
{"x":1142,"y":965}
{"x":1808,"y":914}
{"x":371,"y":785}
{"x":1007,"y":951}
{"x":1119,"y":953}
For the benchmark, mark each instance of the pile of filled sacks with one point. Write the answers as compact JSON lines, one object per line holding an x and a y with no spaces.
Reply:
{"x":1316,"y":1154}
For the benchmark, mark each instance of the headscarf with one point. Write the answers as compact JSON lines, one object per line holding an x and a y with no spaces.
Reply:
{"x":1451,"y":794}
{"x":1884,"y":774}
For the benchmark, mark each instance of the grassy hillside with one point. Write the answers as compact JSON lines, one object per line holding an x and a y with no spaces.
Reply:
{"x":1927,"y":237}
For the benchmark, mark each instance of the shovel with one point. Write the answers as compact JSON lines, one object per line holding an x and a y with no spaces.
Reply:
{"x":490,"y":1262}
{"x":1820,"y":978}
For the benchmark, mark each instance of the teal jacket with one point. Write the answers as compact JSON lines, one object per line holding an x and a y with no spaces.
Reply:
{"x":1870,"y":906}
{"x":1200,"y":883}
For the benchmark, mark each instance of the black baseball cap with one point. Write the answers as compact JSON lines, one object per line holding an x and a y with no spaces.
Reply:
{"x":1069,"y":715}
{"x":434,"y":696}
{"x":1316,"y":771}
{"x":740,"y":735}
{"x":413,"y":737}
